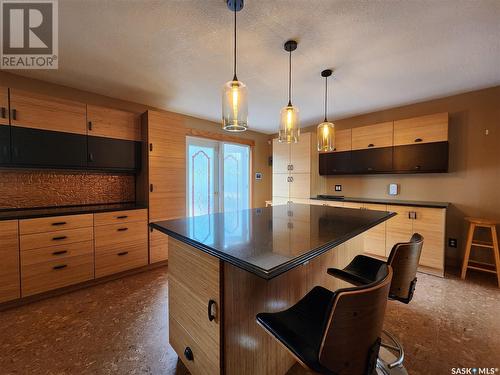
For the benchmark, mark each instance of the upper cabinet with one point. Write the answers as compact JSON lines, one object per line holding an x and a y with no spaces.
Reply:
{"x":372,"y":136}
{"x":113,"y":123}
{"x":281,"y":157}
{"x":4,"y":106}
{"x":424,"y":129}
{"x":47,"y":113}
{"x":343,"y":140}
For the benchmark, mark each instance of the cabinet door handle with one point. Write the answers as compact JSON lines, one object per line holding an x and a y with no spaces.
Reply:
{"x":4,"y":111}
{"x":188,"y":353}
{"x":371,"y":145}
{"x":122,"y":229}
{"x":418,"y":140}
{"x":15,"y":151}
{"x":122,"y":217}
{"x":60,"y":252}
{"x":14,"y":114}
{"x":417,"y":167}
{"x":122,"y":253}
{"x":151,"y":147}
{"x":291,"y":167}
{"x":369,"y":169}
{"x":91,"y":157}
{"x":60,"y":267}
{"x":90,"y":125}
{"x":211,"y":310}
{"x":58,"y":223}
{"x":59,"y":238}
{"x":151,"y":188}
{"x":291,"y":179}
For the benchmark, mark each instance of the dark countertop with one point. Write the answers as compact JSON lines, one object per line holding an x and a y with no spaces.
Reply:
{"x":382,"y":201}
{"x":30,"y":213}
{"x":270,"y":241}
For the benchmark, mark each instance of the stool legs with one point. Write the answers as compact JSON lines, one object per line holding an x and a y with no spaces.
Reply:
{"x":468,"y":246}
{"x":497,"y":252}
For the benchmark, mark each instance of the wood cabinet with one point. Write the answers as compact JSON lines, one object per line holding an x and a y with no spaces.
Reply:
{"x":48,"y":113}
{"x":423,"y":129}
{"x":120,"y":246}
{"x":372,"y":136}
{"x":158,"y":246}
{"x":9,"y":265}
{"x":113,"y":123}
{"x":4,"y":106}
{"x":335,"y":163}
{"x":5,"y":150}
{"x":58,"y":257}
{"x":430,"y":223}
{"x":343,"y":140}
{"x":113,"y":154}
{"x":195,"y":313}
{"x":369,"y":161}
{"x":295,"y":169}
{"x":42,"y":148}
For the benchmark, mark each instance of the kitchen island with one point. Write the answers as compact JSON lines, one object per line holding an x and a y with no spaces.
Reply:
{"x":225,"y":268}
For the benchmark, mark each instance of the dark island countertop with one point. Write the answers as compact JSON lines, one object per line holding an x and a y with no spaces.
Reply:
{"x":270,"y":241}
{"x":31,"y":213}
{"x":395,"y":202}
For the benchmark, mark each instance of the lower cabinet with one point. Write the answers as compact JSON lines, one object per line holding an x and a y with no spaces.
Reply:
{"x":120,"y":246}
{"x":9,"y":265}
{"x":195,"y":334}
{"x":158,"y":246}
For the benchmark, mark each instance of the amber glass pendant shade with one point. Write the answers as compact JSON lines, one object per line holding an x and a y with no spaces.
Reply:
{"x":234,"y":107}
{"x":325,"y":133}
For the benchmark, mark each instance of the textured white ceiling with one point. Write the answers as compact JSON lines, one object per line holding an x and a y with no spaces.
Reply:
{"x":176,"y":54}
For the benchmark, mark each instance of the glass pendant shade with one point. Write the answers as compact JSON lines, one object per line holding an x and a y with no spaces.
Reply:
{"x":289,"y":130}
{"x":234,"y":107}
{"x":326,"y":136}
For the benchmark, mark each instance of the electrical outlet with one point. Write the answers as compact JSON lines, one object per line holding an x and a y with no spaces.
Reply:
{"x":452,"y":242}
{"x":338,"y":187}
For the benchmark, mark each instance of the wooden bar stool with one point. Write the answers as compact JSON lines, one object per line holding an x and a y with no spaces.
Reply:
{"x":493,"y":245}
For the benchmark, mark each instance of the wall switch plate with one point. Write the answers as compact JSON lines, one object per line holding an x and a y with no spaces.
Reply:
{"x":393,"y":189}
{"x":338,"y":187}
{"x":452,"y":242}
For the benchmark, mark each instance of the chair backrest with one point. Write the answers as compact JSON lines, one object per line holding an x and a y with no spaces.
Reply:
{"x":404,"y":259}
{"x":351,"y":340}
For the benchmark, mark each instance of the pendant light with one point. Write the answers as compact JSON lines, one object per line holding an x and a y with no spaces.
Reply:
{"x":289,"y":131}
{"x":234,"y":93}
{"x":326,"y":130}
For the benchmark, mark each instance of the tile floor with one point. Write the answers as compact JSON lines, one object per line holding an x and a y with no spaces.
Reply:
{"x":121,"y":328}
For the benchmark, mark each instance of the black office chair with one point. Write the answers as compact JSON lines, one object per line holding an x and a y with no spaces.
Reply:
{"x":334,"y":332}
{"x":363,"y":270}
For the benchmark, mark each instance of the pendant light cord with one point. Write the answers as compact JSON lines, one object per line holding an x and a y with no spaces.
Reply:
{"x":234,"y":77}
{"x":326,"y":96}
{"x":290,"y":79}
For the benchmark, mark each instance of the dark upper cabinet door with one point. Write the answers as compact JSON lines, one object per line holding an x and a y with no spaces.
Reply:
{"x":425,"y":157}
{"x":113,"y":154}
{"x":335,"y":163}
{"x":377,"y":160}
{"x":44,"y":148}
{"x":4,"y":144}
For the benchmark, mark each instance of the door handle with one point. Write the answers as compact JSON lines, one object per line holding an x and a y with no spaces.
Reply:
{"x":122,"y":217}
{"x":90,"y":125}
{"x":60,"y":252}
{"x":371,"y":145}
{"x":188,"y":353}
{"x":122,"y":229}
{"x":212,"y":310}
{"x":91,"y":157}
{"x":122,"y":253}
{"x":291,"y":179}
{"x":291,"y":167}
{"x":58,"y":223}
{"x":418,"y":167}
{"x":59,"y":238}
{"x":151,"y":188}
{"x":14,"y":114}
{"x":60,"y":267}
{"x":418,"y":140}
{"x":4,"y":111}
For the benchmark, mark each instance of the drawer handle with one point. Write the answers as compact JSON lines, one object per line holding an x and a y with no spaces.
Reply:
{"x":60,"y":267}
{"x":418,"y":140}
{"x":122,"y":217}
{"x":60,"y":252}
{"x":122,"y":253}
{"x":211,"y":310}
{"x":122,"y":229}
{"x":59,"y":223}
{"x":418,"y":167}
{"x":188,"y":353}
{"x":371,"y":145}
{"x":59,"y":238}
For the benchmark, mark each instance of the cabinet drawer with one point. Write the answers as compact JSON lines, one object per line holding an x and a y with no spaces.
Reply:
{"x":116,"y":217}
{"x":117,"y":234}
{"x":56,"y":253}
{"x":201,"y":363}
{"x":372,"y":136}
{"x":47,"y":239}
{"x":118,"y":258}
{"x":192,"y":313}
{"x":39,"y":277}
{"x":55,"y":223}
{"x":424,"y":129}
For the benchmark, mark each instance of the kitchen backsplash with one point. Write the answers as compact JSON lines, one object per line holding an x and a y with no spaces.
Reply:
{"x":23,"y":189}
